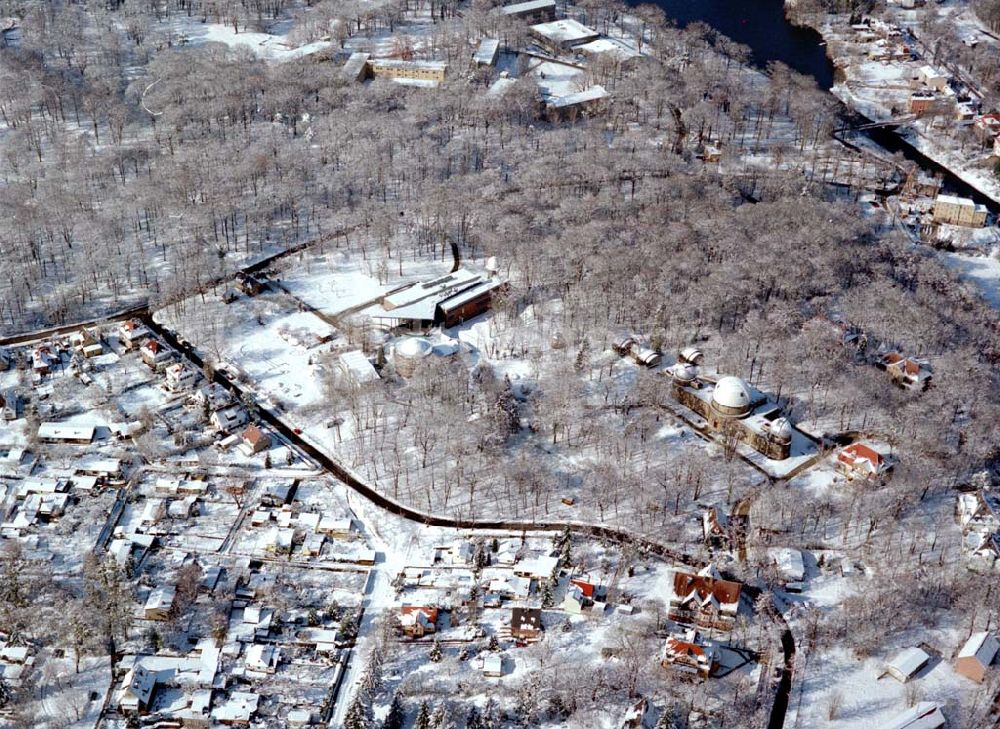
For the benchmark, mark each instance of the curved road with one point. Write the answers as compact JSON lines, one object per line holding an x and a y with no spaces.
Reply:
{"x":620,"y":536}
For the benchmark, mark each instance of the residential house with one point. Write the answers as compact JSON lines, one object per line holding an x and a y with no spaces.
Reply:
{"x":257,"y":622}
{"x":977,"y":655}
{"x":511,"y":588}
{"x":137,"y":696}
{"x":953,"y":210}
{"x":280,"y":540}
{"x":255,"y":440}
{"x":859,"y":461}
{"x":9,"y":404}
{"x":156,"y":354}
{"x":43,"y":359}
{"x":5,"y":360}
{"x":107,"y":468}
{"x":86,"y":343}
{"x":979,"y":511}
{"x":179,"y":377}
{"x":715,"y":527}
{"x":590,"y":588}
{"x":335,"y":528}
{"x":160,"y":603}
{"x":416,"y":621}
{"x":907,"y":372}
{"x":132,"y":333}
{"x":526,"y":624}
{"x":65,"y":433}
{"x":211,"y":396}
{"x":922,"y":102}
{"x":907,"y":663}
{"x":932,"y":78}
{"x":322,"y":640}
{"x":237,"y":709}
{"x":262,"y":658}
{"x":539,"y":568}
{"x":704,"y":599}
{"x":570,"y":106}
{"x":228,"y":419}
{"x":689,"y":653}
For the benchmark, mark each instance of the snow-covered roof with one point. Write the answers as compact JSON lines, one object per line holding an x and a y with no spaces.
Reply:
{"x":594,"y":93}
{"x":528,"y":7}
{"x":420,"y":301}
{"x":161,"y":598}
{"x":98,"y":465}
{"x":963,"y":201}
{"x":487,"y":51}
{"x":238,"y":707}
{"x":924,"y":715}
{"x":355,"y":64}
{"x":611,"y":46}
{"x":981,"y":646}
{"x":63,"y":431}
{"x":565,"y":30}
{"x":789,"y":562}
{"x":908,"y":661}
{"x":401,"y":65}
{"x":357,"y":367}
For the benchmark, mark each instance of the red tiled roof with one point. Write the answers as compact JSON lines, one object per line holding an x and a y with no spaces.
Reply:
{"x":681,"y":647}
{"x":430,"y":612}
{"x":586,"y":588}
{"x":858,"y":452}
{"x":724,"y":591}
{"x":254,"y":435}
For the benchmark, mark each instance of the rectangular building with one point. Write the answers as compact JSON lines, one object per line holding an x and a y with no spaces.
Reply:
{"x":356,"y":68}
{"x":408,"y":70}
{"x":954,"y":210}
{"x":536,"y":11}
{"x":486,"y":54}
{"x":562,"y":35}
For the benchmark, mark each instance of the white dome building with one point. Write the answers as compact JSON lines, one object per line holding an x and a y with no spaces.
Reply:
{"x":409,"y":353}
{"x":781,"y":430}
{"x":731,"y":397}
{"x":683,"y":372}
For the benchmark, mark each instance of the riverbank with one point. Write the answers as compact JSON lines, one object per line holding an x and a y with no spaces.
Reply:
{"x":874,"y":79}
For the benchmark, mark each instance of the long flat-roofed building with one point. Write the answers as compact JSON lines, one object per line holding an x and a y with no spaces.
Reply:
{"x":447,"y":300}
{"x":561,"y":35}
{"x":959,"y":211}
{"x":356,"y":69}
{"x":533,"y":11}
{"x":487,"y":52}
{"x":396,"y":69}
